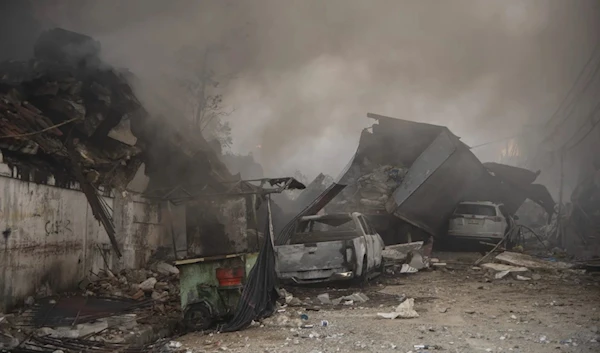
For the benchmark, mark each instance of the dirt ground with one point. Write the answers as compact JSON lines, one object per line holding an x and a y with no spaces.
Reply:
{"x":461,"y":309}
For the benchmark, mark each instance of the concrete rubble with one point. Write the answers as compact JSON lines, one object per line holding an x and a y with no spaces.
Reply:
{"x":524,"y":260}
{"x":501,"y":270}
{"x":404,"y":311}
{"x":153,"y":312}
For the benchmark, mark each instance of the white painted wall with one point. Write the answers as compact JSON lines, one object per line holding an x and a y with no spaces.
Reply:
{"x":49,"y":235}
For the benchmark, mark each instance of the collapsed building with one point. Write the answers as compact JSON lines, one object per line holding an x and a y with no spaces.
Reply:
{"x":408,"y":177}
{"x":87,"y":173}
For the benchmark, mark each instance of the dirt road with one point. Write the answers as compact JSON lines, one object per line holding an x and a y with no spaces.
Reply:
{"x":460,"y":310}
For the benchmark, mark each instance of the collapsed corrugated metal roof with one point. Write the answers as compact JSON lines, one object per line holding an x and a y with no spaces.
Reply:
{"x":440,"y":171}
{"x":512,"y":186}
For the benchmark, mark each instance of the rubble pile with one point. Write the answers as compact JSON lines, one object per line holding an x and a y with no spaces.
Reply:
{"x":133,"y":307}
{"x":369,"y":189}
{"x":66,"y":96}
{"x":160,"y":282}
{"x":376,"y":187}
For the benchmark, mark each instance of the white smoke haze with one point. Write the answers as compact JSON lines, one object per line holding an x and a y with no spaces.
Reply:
{"x":305,"y":73}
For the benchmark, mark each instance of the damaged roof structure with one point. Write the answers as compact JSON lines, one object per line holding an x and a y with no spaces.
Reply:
{"x":432,"y":169}
{"x":67,"y":118}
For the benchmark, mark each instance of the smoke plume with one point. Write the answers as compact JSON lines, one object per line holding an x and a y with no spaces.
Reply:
{"x":300,"y":75}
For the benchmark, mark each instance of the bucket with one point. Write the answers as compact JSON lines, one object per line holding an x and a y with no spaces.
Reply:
{"x":229,"y":277}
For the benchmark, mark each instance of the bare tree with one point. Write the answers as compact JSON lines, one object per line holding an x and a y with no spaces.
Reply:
{"x":204,"y":99}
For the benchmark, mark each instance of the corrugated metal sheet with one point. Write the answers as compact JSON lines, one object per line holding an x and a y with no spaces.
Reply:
{"x":435,"y":183}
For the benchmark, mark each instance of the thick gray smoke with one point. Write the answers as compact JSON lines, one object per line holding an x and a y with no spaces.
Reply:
{"x":301,"y":75}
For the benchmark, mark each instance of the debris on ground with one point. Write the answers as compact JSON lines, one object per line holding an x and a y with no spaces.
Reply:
{"x":125,"y":310}
{"x":324,"y":299}
{"x":351,"y":299}
{"x":405,"y":311}
{"x":501,"y":270}
{"x":400,"y":252}
{"x":406,"y":268}
{"x":501,"y":267}
{"x":528,"y":261}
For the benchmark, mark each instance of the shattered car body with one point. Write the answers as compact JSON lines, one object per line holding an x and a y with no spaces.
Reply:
{"x":330,"y":247}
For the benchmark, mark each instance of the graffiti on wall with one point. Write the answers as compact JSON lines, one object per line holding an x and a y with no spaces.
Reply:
{"x":58,"y":227}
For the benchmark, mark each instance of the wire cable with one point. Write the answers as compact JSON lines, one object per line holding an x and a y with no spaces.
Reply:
{"x":594,"y":124}
{"x":497,"y":141}
{"x":571,"y":107}
{"x":590,"y":117}
{"x":588,"y":62}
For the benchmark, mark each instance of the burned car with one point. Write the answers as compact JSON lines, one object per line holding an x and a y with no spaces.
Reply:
{"x":330,"y":247}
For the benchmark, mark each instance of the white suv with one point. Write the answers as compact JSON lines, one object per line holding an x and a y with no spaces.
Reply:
{"x":481,"y":220}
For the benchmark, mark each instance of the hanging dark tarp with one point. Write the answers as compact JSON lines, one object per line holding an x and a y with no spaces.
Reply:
{"x":260,"y":293}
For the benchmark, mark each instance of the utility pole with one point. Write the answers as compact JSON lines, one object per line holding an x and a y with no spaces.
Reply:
{"x":559,"y":232}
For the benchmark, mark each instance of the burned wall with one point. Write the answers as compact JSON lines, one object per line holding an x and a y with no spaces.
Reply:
{"x":51,"y":239}
{"x":220,"y":226}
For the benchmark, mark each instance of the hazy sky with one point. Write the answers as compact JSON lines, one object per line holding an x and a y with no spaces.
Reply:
{"x":302,"y":74}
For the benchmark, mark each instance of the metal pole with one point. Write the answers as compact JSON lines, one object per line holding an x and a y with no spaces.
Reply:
{"x":559,"y":232}
{"x":270,"y":217}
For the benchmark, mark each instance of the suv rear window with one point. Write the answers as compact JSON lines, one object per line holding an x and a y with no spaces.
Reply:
{"x":478,"y":210}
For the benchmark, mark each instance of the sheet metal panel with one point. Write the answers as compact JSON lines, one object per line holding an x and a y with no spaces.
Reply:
{"x":435,"y":183}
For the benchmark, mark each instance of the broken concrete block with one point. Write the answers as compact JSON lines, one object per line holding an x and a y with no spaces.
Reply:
{"x":139,"y":294}
{"x":405,"y":310}
{"x":166,"y":269}
{"x":324,"y":298}
{"x":124,"y":322}
{"x":418,"y":261}
{"x":356,"y":297}
{"x":161,"y":296}
{"x":523,"y":260}
{"x":148,"y":285}
{"x":295,"y":302}
{"x":161,"y":286}
{"x":501,"y":274}
{"x":502,"y":270}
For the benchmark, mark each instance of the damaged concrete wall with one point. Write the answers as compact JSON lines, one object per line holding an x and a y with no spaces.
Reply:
{"x":50,"y":237}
